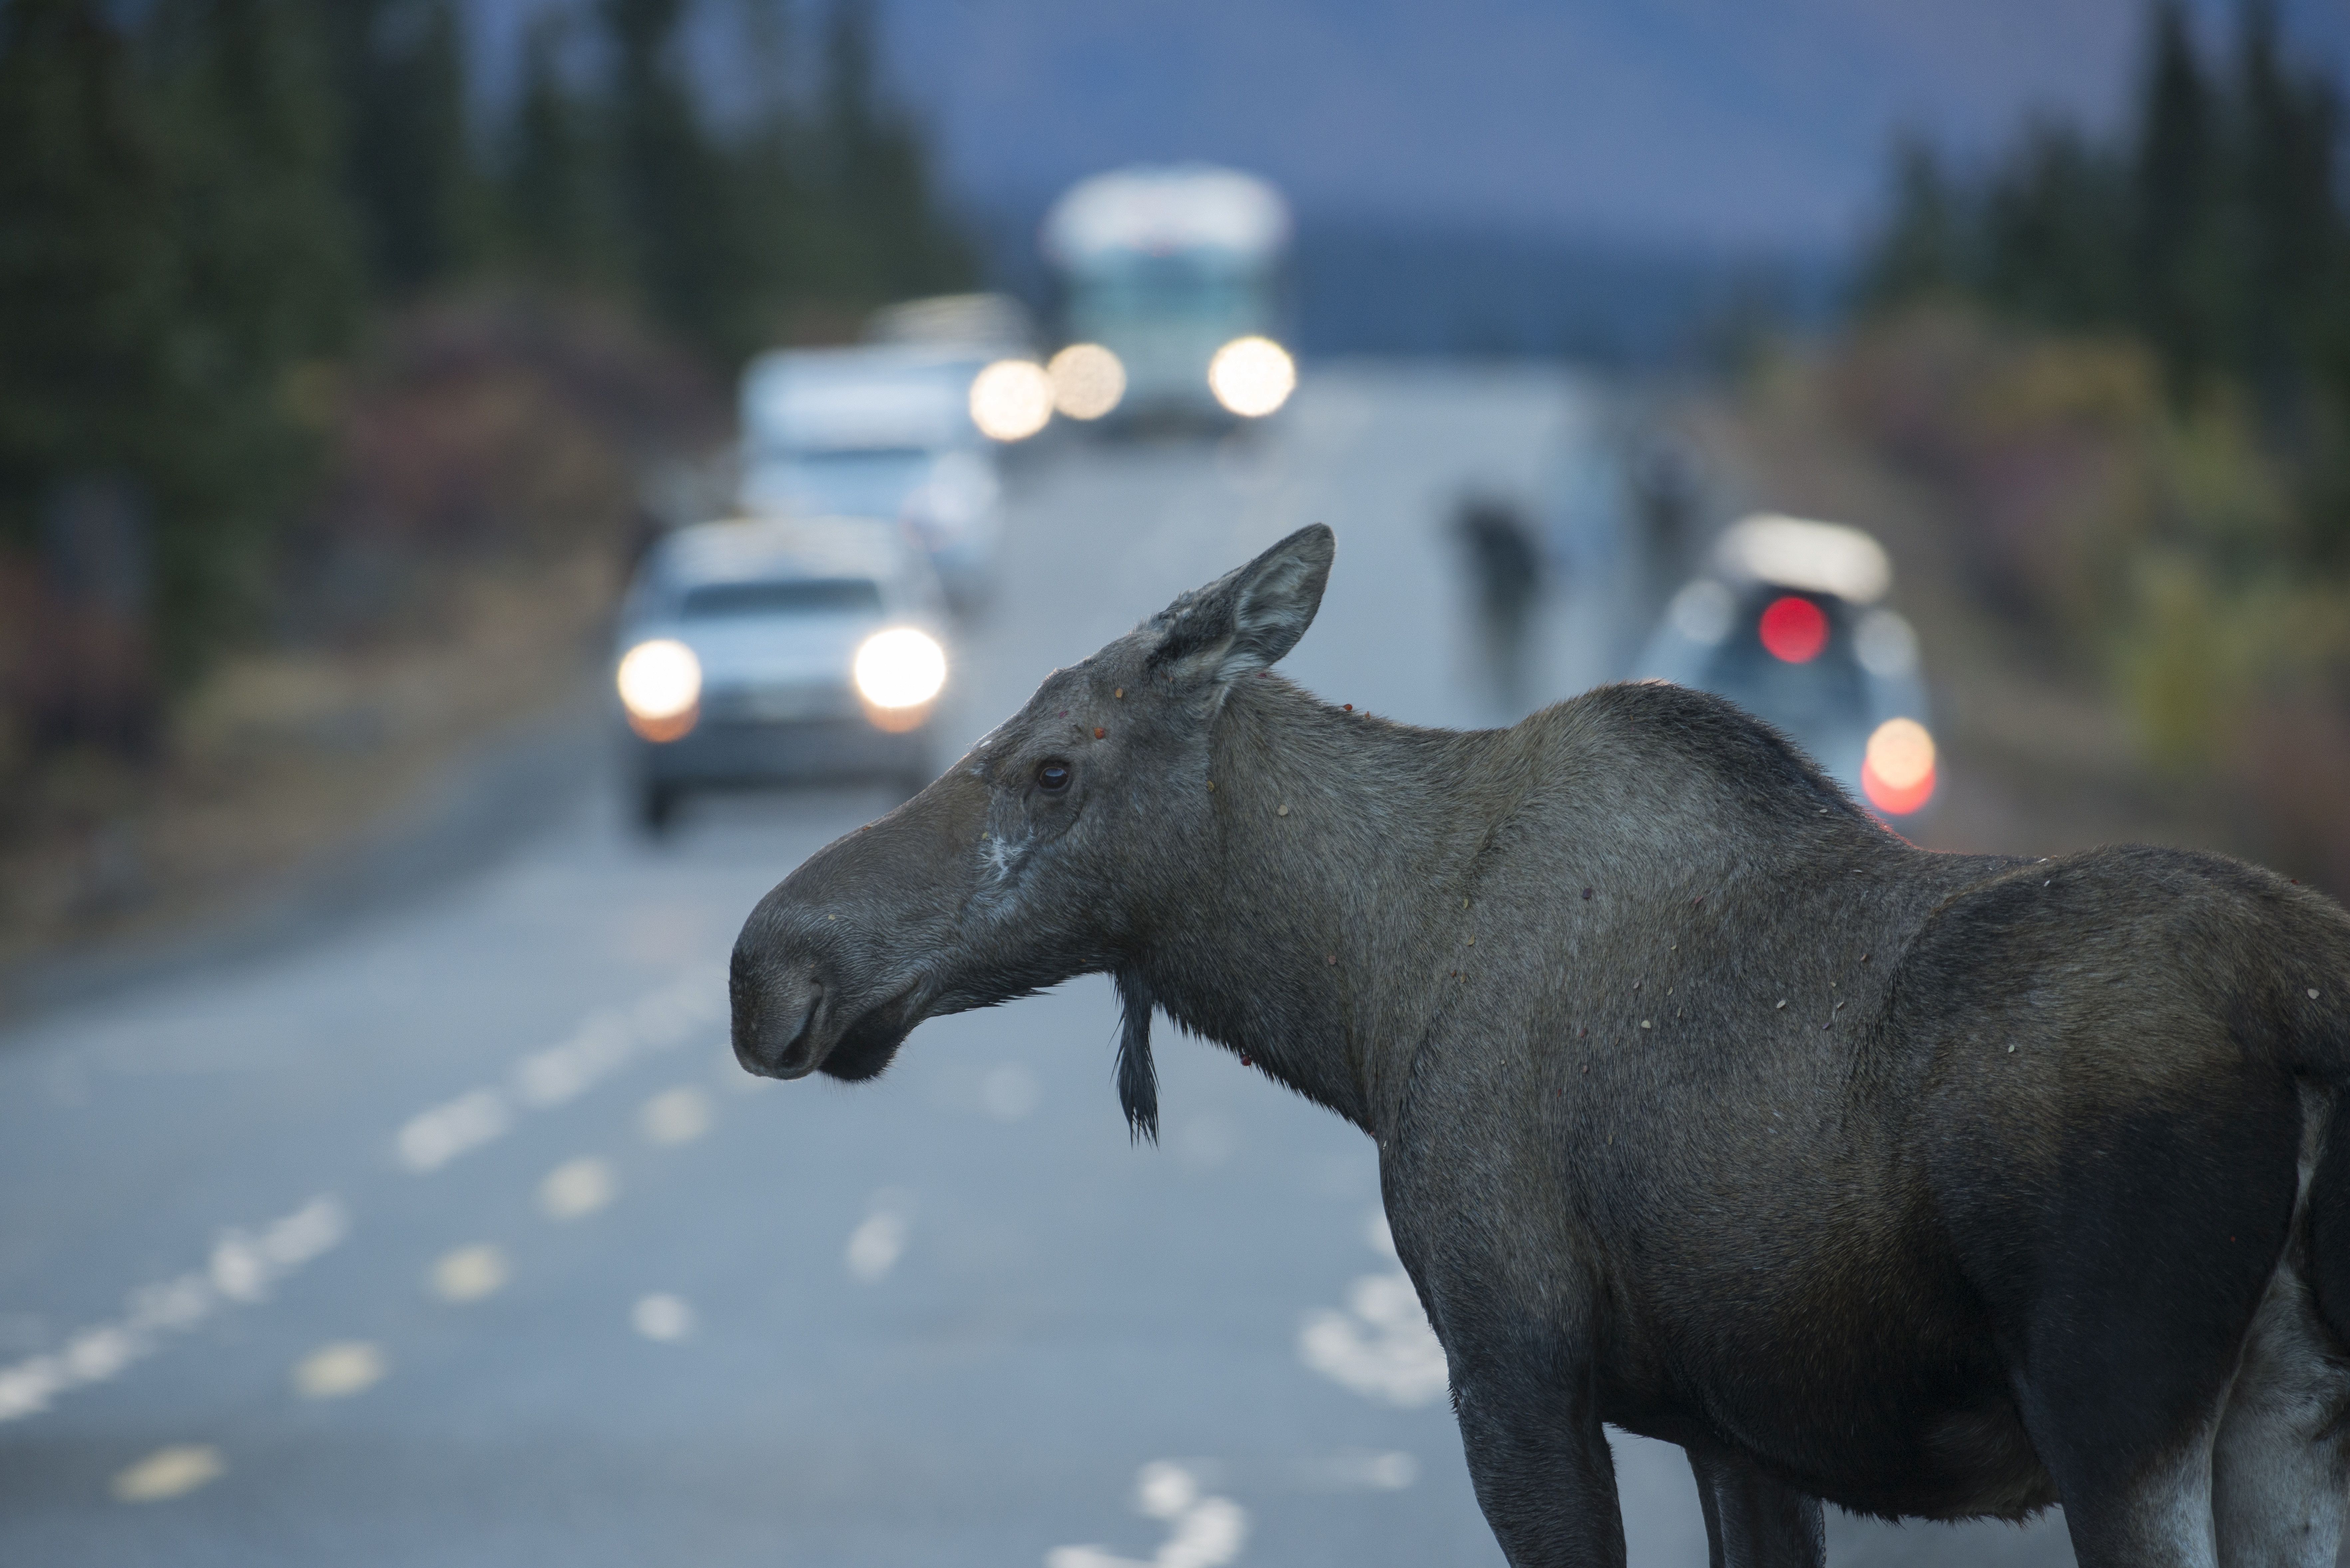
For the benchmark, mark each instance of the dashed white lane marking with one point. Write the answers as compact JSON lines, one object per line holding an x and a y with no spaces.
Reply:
{"x":334,"y":1371}
{"x":1380,"y":1346}
{"x":243,"y":1267}
{"x":604,"y":1043}
{"x":577,"y":1187}
{"x":877,"y":1243}
{"x":676,"y":1116}
{"x":1203,"y":1531}
{"x":663,"y":1317}
{"x":469,"y":1273}
{"x":169,"y":1472}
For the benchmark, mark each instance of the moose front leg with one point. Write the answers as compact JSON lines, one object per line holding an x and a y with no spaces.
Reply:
{"x":1541,"y":1463}
{"x":1752,"y":1521}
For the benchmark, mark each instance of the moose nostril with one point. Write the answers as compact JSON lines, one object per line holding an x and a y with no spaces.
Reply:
{"x":774,"y":1025}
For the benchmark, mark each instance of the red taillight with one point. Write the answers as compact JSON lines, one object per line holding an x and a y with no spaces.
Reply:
{"x":1793,"y":629}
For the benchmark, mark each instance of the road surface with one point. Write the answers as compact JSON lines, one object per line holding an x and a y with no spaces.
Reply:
{"x":456,"y":1236}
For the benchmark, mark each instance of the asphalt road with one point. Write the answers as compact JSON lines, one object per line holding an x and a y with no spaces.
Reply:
{"x":454,"y":1236}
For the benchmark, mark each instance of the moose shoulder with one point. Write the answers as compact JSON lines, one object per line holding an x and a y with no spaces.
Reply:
{"x":1927,"y":1185}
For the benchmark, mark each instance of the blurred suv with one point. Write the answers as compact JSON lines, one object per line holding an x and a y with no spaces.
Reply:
{"x":1788,"y":625}
{"x":877,"y":431}
{"x":774,"y":652}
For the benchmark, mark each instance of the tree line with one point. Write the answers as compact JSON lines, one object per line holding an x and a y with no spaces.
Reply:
{"x":2213,"y":227}
{"x":206,"y":207}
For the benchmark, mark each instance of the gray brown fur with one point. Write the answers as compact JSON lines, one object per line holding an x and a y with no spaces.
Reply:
{"x":2025,"y":1193}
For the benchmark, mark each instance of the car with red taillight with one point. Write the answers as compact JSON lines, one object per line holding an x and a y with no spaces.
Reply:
{"x":1789,"y":623}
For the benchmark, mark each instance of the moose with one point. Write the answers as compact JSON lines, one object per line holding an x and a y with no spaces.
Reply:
{"x":1930,"y":1185}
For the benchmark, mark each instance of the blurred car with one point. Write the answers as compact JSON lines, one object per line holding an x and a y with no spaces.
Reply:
{"x":881,"y":430}
{"x":1788,"y":625}
{"x":775,"y":650}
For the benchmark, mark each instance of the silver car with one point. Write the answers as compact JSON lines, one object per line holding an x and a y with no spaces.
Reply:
{"x":768,"y":651}
{"x":1789,"y":626}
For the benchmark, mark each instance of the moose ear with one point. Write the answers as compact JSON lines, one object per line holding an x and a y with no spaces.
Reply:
{"x":1247,"y":620}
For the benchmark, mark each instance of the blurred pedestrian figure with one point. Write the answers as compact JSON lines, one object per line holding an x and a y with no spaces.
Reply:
{"x":1505,"y":575}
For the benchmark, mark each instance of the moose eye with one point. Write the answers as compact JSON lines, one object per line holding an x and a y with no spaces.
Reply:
{"x":1052,"y":776}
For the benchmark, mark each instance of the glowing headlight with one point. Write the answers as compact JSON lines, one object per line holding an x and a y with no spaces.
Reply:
{"x":1011,"y":400}
{"x":1087,"y":380}
{"x":1252,"y":375}
{"x":1896,"y":773}
{"x":900,"y":667}
{"x":660,"y":683}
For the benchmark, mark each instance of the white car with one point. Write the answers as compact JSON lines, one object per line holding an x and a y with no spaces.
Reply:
{"x":877,"y":430}
{"x":775,"y":650}
{"x":1789,"y":626}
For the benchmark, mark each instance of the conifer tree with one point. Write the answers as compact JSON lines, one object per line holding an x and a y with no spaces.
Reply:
{"x":2291,"y":232}
{"x":267,"y":280}
{"x":672,"y":189}
{"x":1919,"y":253}
{"x":2177,"y":245}
{"x":175,"y":248}
{"x":555,"y":193}
{"x":893,"y":241}
{"x":410,"y":160}
{"x":2053,"y":220}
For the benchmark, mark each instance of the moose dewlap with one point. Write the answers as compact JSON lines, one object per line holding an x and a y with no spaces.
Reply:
{"x":1926,"y":1185}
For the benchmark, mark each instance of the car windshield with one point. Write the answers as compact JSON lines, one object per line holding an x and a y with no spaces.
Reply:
{"x":795,"y":596}
{"x":861,"y":481}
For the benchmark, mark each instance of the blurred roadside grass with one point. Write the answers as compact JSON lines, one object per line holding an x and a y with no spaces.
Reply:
{"x":2163,"y":554}
{"x":453,"y":574}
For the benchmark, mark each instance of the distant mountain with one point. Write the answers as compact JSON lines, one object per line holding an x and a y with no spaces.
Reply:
{"x":1721,"y":123}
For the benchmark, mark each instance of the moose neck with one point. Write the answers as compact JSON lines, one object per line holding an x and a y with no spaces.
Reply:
{"x":1303,"y":940}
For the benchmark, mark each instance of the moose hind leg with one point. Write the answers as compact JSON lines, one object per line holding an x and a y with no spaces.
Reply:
{"x":2283,"y":1459}
{"x":2279,"y":1469}
{"x":1752,"y":1521}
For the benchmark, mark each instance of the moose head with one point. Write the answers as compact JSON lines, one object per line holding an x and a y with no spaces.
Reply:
{"x":1057,"y":847}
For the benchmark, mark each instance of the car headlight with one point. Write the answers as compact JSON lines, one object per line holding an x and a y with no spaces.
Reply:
{"x":1011,"y":400}
{"x":1252,"y":377}
{"x":898,"y":672}
{"x":1087,"y":380}
{"x":1896,"y":773}
{"x":660,"y":688}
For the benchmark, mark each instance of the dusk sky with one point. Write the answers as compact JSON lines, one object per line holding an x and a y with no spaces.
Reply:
{"x":1731,"y":124}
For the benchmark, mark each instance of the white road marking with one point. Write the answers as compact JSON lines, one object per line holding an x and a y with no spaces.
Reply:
{"x":169,"y":1472}
{"x":335,"y":1371}
{"x":603,"y":1044}
{"x":876,"y":1245}
{"x":577,"y":1187}
{"x":433,"y":1139}
{"x":676,"y":1116}
{"x":1203,"y":1532}
{"x":1380,"y":1346}
{"x":469,"y":1273}
{"x":243,"y":1267}
{"x":663,"y":1317}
